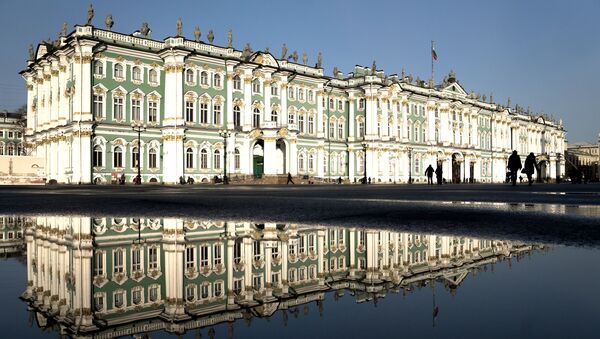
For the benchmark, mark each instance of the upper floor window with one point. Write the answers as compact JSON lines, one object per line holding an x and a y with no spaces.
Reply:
{"x":237,"y":82}
{"x":291,"y":93}
{"x":256,"y":86}
{"x":311,"y":95}
{"x":98,"y":67}
{"x":204,"y":78}
{"x":189,"y":76}
{"x":118,"y":71}
{"x":136,"y":74}
{"x":153,"y":76}
{"x":300,"y":94}
{"x":274,"y":90}
{"x":217,"y":80}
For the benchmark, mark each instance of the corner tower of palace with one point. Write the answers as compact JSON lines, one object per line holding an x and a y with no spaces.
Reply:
{"x":86,"y":90}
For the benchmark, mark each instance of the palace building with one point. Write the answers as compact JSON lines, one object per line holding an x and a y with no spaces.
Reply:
{"x":201,"y":107}
{"x":108,"y":277}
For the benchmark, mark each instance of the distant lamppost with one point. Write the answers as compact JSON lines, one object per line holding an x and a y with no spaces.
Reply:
{"x":225,"y":134}
{"x":138,"y":127}
{"x":364,"y":144}
{"x":410,"y":165}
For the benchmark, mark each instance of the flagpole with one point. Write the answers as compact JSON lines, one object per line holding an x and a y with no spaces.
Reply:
{"x":432,"y":69}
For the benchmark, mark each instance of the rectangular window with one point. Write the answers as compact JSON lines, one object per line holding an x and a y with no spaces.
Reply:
{"x":190,"y":254}
{"x":153,"y":293}
{"x":98,"y":106}
{"x":152,"y":258}
{"x":237,"y":252}
{"x":118,"y":261}
{"x":217,"y":114}
{"x":219,"y":289}
{"x":152,"y":111}
{"x":189,"y":111}
{"x":217,"y":255}
{"x":136,"y":108}
{"x":203,"y":256}
{"x":274,"y":90}
{"x":311,"y":124}
{"x":118,"y":108}
{"x":99,"y":263}
{"x":203,"y":113}
{"x":136,"y":260}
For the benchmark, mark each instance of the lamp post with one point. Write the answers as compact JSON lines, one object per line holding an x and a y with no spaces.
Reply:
{"x":364,"y":181}
{"x":138,"y":127}
{"x":225,"y":134}
{"x":410,"y":165}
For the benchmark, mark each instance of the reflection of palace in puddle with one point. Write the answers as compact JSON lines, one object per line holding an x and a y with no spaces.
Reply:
{"x":96,"y":275}
{"x":11,"y":236}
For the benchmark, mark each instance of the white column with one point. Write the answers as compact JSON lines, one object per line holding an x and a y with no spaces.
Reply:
{"x":247,"y":111}
{"x":351,"y":116}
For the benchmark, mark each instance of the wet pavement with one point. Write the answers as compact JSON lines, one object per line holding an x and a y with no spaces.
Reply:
{"x":166,"y":277}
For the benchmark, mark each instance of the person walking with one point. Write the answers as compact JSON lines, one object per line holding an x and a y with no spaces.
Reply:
{"x":289,"y":179}
{"x":438,"y":173}
{"x":429,"y":173}
{"x":514,"y":165}
{"x":529,"y":167}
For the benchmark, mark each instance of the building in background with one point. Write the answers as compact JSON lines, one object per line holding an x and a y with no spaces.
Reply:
{"x":204,"y":107}
{"x":583,"y":159}
{"x":12,"y":128}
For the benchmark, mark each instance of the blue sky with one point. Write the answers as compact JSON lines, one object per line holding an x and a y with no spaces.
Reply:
{"x":542,"y":54}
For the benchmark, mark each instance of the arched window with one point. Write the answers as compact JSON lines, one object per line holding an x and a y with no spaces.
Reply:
{"x":217,"y":80}
{"x":217,"y":114}
{"x":311,"y":162}
{"x":189,"y":76}
{"x":189,"y":158}
{"x":204,"y":78}
{"x":237,"y":82}
{"x":136,"y":73}
{"x":98,"y":156}
{"x":204,"y":159}
{"x":274,"y":116}
{"x":237,"y":116}
{"x":341,"y":129}
{"x":256,"y":118}
{"x":291,"y":92}
{"x":301,"y":162}
{"x":153,"y":76}
{"x":311,"y":124}
{"x":135,"y":157}
{"x":423,"y":134}
{"x":98,"y":67}
{"x":118,"y":157}
{"x":118,"y":71}
{"x":291,"y":116}
{"x":361,"y":128}
{"x":255,"y":86}
{"x":152,"y":158}
{"x":331,"y":130}
{"x":217,"y":159}
{"x":236,"y":159}
{"x":416,"y":132}
{"x":360,"y":159}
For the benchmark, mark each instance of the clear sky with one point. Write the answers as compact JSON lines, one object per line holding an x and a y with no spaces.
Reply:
{"x":541,"y":54}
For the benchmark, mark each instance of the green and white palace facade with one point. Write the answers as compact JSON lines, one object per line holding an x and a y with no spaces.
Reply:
{"x":85,"y":91}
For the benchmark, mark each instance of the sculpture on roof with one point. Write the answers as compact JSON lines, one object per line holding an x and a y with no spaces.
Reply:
{"x":483,"y":98}
{"x":230,"y":39}
{"x":373,"y":68}
{"x":145,"y":30}
{"x":63,"y":30}
{"x":335,"y":71}
{"x":90,"y":14}
{"x":284,"y":51}
{"x":319,"y":60}
{"x":31,"y":53}
{"x":491,"y":98}
{"x":108,"y":21}
{"x":294,"y":56}
{"x":247,"y":51}
{"x":305,"y":58}
{"x":197,"y":34}
{"x":410,"y":78}
{"x":179,"y":27}
{"x":210,"y":37}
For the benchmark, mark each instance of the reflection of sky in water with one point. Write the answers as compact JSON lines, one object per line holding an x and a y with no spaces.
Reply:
{"x":487,"y":288}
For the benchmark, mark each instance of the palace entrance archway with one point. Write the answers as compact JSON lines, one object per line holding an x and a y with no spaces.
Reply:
{"x":280,"y":157}
{"x":258,"y":159}
{"x":456,"y":161}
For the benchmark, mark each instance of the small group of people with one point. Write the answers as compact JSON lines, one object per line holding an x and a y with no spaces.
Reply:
{"x":514,"y":165}
{"x":438,"y":174}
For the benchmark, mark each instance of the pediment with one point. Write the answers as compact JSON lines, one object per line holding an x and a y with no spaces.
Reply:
{"x":455,"y":88}
{"x":265,"y":59}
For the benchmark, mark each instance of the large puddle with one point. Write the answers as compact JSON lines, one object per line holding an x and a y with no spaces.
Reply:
{"x":112,"y":277}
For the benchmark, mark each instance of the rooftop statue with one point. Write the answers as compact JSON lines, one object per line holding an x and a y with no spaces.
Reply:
{"x":403,"y":73}
{"x":374,"y":68}
{"x":284,"y":51}
{"x":145,"y":30}
{"x":210,"y":37}
{"x":90,"y":14}
{"x":319,"y":60}
{"x":508,"y":104}
{"x":179,"y":27}
{"x":491,"y":98}
{"x":230,"y":39}
{"x":305,"y":59}
{"x":410,"y":78}
{"x":109,"y":22}
{"x":294,"y":56}
{"x":63,"y":31}
{"x":335,"y":71}
{"x":247,"y":51}
{"x":197,"y":34}
{"x":483,"y":98}
{"x":31,"y":53}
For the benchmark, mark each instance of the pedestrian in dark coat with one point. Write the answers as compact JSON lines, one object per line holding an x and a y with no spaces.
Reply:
{"x":514,"y":165}
{"x":438,"y":173}
{"x":529,"y":167}
{"x":429,"y":173}
{"x":289,"y":179}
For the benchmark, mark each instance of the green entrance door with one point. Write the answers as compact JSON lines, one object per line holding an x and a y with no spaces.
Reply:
{"x":258,"y":166}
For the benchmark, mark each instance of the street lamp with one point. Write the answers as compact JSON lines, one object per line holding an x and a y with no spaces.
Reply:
{"x":139,"y":127}
{"x":225,"y":134}
{"x":410,"y":165}
{"x":364,"y":144}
